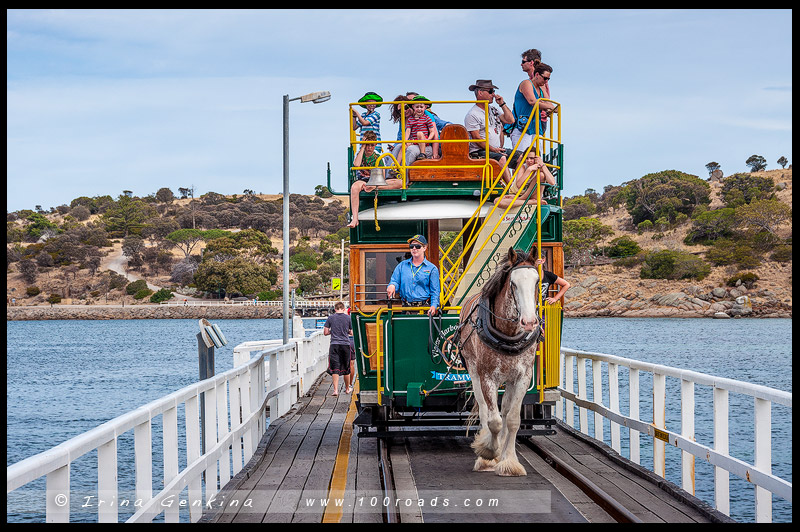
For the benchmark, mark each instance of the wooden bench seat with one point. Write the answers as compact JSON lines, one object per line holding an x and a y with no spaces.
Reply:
{"x":453,"y":154}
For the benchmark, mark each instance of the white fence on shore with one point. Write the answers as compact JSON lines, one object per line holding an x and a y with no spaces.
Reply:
{"x":759,"y":473}
{"x":217,"y":302}
{"x":235,"y":419}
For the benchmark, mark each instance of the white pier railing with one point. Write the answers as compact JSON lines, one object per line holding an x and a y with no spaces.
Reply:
{"x":759,"y":473}
{"x":235,"y":419}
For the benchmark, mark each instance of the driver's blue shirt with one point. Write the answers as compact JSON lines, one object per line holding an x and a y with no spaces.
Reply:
{"x":417,"y":283}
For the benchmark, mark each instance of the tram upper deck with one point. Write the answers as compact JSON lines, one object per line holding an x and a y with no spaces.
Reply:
{"x":452,"y":200}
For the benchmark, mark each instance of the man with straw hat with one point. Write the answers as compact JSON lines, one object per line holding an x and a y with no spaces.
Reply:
{"x":370,"y":120}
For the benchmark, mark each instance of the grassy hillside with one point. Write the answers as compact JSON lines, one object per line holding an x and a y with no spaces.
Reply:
{"x":605,"y":282}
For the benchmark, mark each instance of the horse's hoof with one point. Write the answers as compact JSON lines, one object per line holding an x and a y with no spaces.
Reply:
{"x":509,"y":468}
{"x":482,"y":464}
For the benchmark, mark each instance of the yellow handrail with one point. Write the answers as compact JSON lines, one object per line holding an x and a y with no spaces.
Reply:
{"x":403,"y":167}
{"x":453,"y":285}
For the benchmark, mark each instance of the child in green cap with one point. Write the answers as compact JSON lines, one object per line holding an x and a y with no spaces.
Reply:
{"x":370,"y":120}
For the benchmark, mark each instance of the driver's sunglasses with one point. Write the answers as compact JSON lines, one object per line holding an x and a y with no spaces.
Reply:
{"x":415,"y":246}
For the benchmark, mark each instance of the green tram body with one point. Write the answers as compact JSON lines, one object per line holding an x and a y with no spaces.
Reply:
{"x":412,"y":380}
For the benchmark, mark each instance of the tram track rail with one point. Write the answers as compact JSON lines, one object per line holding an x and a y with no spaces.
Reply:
{"x":390,"y":512}
{"x":602,"y":499}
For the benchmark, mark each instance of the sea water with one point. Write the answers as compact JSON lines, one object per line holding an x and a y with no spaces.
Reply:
{"x":65,"y":377}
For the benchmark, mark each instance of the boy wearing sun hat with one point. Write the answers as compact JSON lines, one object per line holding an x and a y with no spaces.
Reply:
{"x":416,"y":280}
{"x":369,"y":120}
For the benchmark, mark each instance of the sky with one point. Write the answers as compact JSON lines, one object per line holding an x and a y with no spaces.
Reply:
{"x":101,"y":101}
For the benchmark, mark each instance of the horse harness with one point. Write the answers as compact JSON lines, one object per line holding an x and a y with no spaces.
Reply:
{"x":483,"y":324}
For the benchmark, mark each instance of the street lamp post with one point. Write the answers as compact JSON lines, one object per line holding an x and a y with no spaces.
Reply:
{"x":314,"y":97}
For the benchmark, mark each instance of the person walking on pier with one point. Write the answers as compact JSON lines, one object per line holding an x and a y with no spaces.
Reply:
{"x":338,"y":327}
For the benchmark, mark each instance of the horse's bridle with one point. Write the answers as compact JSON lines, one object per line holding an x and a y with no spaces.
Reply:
{"x":511,"y":345}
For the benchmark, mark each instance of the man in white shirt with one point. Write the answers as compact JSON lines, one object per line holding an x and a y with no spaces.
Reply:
{"x":475,"y":122}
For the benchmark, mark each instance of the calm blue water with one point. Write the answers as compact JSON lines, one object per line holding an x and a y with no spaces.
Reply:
{"x":66,"y":377}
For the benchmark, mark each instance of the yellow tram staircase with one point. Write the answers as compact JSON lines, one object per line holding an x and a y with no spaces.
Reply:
{"x":463,"y":274}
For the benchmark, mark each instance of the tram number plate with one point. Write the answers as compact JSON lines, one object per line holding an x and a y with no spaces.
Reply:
{"x":661,"y":435}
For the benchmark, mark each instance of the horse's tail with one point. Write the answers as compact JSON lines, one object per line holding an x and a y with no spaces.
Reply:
{"x":473,"y":415}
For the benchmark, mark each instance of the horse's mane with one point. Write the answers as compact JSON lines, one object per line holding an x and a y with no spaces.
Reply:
{"x":499,"y":278}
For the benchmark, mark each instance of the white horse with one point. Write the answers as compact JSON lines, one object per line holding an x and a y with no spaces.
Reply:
{"x":500,"y":332}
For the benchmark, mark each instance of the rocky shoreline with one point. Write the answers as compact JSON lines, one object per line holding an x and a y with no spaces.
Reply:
{"x":719,"y":303}
{"x":140,"y":312}
{"x":591,"y":298}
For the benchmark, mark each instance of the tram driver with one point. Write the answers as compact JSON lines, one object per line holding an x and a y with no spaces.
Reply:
{"x":416,"y":280}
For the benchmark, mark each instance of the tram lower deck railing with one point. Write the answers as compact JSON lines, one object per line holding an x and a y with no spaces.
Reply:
{"x":235,"y":419}
{"x":759,"y":473}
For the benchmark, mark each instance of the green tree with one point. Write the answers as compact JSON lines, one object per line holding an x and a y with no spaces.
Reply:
{"x":665,"y":194}
{"x":578,"y":207}
{"x":126,"y":215}
{"x":165,"y":195}
{"x":322,"y":191}
{"x":783,"y":161}
{"x":728,"y":252}
{"x":710,"y":225}
{"x":713,"y":165}
{"x":136,"y":286}
{"x":581,"y":236}
{"x":237,"y":275}
{"x":739,"y":189}
{"x":249,"y":243}
{"x":756,"y":163}
{"x":186,"y":239}
{"x":39,"y":225}
{"x":672,"y":264}
{"x":623,"y":246}
{"x":763,"y":215}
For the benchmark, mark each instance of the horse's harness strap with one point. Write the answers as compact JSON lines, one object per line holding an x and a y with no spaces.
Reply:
{"x":483,"y":324}
{"x":510,"y":345}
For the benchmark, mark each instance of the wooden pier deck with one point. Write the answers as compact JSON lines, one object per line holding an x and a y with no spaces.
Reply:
{"x":312,"y":456}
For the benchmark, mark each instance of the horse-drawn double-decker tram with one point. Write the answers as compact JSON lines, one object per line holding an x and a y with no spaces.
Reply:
{"x":409,"y":364}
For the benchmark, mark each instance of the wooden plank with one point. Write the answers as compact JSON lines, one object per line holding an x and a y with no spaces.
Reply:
{"x":258,"y":479}
{"x":645,"y":496}
{"x":367,"y":482}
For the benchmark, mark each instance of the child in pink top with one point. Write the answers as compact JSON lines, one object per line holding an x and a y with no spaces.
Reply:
{"x":420,"y":126}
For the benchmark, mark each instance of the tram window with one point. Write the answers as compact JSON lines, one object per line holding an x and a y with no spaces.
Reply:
{"x":378,"y":269}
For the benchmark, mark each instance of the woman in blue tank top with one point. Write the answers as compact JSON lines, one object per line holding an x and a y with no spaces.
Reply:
{"x":528,"y":93}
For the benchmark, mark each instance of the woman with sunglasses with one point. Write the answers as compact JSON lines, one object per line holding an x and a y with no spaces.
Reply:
{"x":416,"y":280}
{"x":530,"y":91}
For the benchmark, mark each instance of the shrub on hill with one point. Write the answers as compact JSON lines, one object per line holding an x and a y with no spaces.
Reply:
{"x":162,"y":295}
{"x":623,"y":246}
{"x":141,"y":294}
{"x":747,"y":278}
{"x":710,"y":225}
{"x":672,"y":264}
{"x":665,"y":194}
{"x":728,"y":252}
{"x":739,"y":189}
{"x":136,"y":286}
{"x":782,"y":253}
